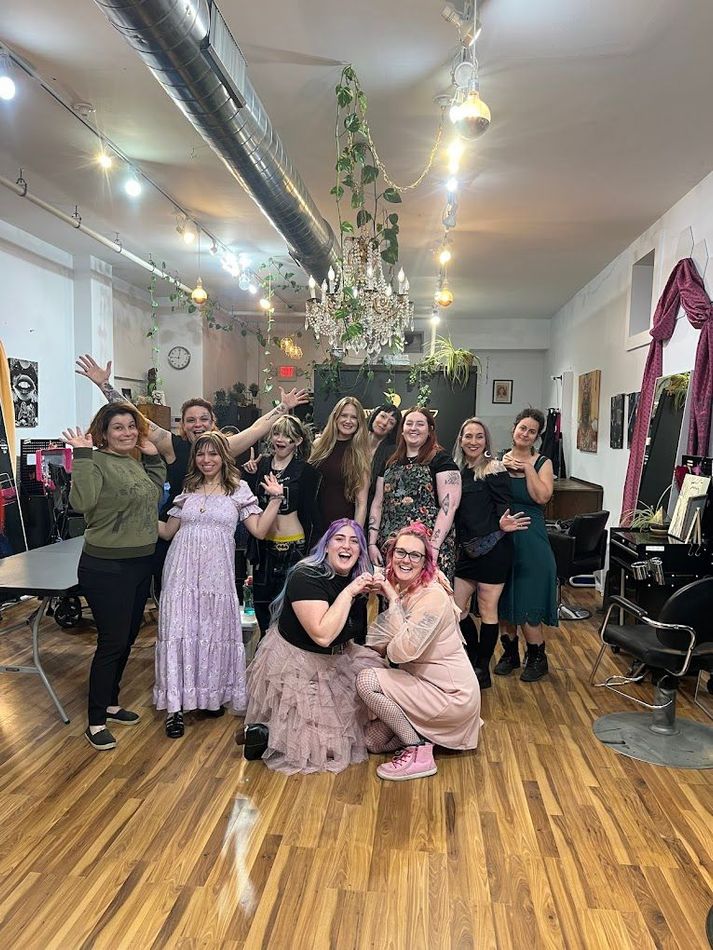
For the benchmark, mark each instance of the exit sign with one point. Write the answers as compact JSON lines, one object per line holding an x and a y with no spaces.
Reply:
{"x":286,"y":372}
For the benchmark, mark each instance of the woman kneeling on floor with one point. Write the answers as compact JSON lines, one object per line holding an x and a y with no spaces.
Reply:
{"x":433,"y":697}
{"x":304,"y":714}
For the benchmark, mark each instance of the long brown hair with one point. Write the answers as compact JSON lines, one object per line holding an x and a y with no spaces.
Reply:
{"x":229,"y":474}
{"x":356,"y":465}
{"x":100,"y":423}
{"x":429,"y":447}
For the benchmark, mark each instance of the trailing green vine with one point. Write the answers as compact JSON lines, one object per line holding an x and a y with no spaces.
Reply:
{"x":357,"y":171}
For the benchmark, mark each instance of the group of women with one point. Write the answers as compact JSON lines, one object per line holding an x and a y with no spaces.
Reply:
{"x":325,"y":687}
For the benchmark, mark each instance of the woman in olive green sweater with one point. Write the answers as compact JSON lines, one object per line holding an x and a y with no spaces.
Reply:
{"x":119,"y":497}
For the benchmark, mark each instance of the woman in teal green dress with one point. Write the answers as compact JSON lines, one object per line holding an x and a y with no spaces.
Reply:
{"x":529,"y":598}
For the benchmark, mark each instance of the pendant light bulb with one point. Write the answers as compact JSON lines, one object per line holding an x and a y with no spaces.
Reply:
{"x":199,"y":295}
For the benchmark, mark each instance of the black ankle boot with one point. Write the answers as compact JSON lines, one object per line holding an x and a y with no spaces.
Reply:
{"x":535,"y":663}
{"x":510,"y":660}
{"x":470,"y":635}
{"x":257,"y":737}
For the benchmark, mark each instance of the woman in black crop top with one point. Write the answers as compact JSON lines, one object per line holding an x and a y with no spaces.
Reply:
{"x":303,"y":711}
{"x":483,"y":527}
{"x":298,"y":519}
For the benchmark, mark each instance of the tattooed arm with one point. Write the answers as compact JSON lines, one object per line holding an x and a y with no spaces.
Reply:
{"x":375,"y":522}
{"x":448,"y":489}
{"x":242,"y":441}
{"x":88,"y":366}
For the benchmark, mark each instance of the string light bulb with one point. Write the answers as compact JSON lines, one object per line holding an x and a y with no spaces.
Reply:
{"x":104,"y":160}
{"x":265,"y":304}
{"x":444,"y":257}
{"x":199,"y":294}
{"x":443,"y":296}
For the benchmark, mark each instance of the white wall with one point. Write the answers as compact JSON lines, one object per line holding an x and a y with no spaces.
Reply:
{"x":37,"y":323}
{"x":590,"y":332}
{"x":526,"y":369}
{"x":132,"y":347}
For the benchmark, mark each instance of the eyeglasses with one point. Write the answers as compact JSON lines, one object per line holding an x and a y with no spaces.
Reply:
{"x":413,"y":556}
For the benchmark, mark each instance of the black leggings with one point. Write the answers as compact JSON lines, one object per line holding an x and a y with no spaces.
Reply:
{"x":116,"y":591}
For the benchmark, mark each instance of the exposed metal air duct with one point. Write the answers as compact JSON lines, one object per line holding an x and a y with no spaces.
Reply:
{"x":189,"y":49}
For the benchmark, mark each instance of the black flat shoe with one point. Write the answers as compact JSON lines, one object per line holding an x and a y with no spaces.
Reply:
{"x":214,"y":713}
{"x":257,"y":737}
{"x":174,"y":725}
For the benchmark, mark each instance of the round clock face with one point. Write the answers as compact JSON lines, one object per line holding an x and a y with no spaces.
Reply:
{"x":179,"y":357}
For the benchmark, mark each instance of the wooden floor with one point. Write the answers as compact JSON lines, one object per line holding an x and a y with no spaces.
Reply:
{"x":543,"y":838}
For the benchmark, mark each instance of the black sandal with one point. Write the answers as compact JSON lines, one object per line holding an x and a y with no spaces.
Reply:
{"x":174,"y":725}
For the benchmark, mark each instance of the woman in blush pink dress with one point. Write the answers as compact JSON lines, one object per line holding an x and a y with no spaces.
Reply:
{"x":432,"y":697}
{"x":200,"y":659}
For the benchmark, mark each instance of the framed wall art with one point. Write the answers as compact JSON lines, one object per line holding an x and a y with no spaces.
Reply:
{"x":502,"y":391}
{"x":588,"y":411}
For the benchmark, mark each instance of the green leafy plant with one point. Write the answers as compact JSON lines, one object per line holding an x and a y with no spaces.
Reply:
{"x":456,"y":363}
{"x":358,"y":173}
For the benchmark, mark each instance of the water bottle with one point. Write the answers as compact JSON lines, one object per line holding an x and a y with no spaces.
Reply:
{"x":248,"y":605}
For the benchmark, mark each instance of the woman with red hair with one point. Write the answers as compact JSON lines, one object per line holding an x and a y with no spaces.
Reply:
{"x":420,"y":481}
{"x":433,"y":696}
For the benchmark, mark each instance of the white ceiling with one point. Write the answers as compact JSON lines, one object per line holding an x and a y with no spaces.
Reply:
{"x":601,"y":121}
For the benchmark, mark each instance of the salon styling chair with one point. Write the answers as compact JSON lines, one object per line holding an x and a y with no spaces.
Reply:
{"x":580,"y":549}
{"x":679,"y":643}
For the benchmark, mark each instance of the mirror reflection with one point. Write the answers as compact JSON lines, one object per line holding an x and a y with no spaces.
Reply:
{"x":662,"y":441}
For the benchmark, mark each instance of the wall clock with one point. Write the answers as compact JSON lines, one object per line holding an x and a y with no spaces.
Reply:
{"x":179,"y":357}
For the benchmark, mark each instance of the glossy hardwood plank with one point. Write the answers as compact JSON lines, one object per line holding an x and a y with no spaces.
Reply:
{"x":543,"y":838}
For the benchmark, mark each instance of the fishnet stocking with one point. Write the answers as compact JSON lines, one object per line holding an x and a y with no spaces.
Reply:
{"x":389,"y":712}
{"x":379,"y":738}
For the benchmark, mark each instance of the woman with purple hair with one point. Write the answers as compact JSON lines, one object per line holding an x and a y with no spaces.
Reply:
{"x":303,"y":713}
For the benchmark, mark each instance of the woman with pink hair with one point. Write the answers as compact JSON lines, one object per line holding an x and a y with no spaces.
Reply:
{"x":433,"y":696}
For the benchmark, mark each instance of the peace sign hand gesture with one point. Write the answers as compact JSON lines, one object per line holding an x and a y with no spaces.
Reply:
{"x":251,"y":465}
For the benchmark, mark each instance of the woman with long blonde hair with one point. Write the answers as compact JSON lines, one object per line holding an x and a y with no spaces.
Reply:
{"x":341,"y":455}
{"x":200,"y":661}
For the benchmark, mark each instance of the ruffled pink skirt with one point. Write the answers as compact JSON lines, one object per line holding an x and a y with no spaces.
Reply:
{"x":309,"y":703}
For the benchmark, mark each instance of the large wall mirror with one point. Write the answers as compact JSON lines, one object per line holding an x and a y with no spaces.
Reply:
{"x":663,"y":440}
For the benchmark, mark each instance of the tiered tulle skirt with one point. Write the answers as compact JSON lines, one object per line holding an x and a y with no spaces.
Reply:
{"x":310,"y":705}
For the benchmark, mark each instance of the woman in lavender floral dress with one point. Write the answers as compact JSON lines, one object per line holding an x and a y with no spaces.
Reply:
{"x":200,"y":660}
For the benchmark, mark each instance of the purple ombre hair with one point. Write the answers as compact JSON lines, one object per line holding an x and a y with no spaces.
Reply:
{"x":317,"y":560}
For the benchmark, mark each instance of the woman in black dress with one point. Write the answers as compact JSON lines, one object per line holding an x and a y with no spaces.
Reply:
{"x":483,"y":526}
{"x":341,"y":455}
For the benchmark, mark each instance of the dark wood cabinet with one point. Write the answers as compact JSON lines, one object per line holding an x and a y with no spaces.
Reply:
{"x":573,"y":496}
{"x":160,"y":415}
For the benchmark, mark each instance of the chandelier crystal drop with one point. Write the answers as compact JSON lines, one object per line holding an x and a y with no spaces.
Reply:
{"x":358,"y":308}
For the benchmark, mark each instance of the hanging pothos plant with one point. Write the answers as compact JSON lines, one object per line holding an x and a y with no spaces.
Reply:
{"x":358,"y":171}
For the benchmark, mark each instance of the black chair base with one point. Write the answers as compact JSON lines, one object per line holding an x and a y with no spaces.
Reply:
{"x":690,"y":746}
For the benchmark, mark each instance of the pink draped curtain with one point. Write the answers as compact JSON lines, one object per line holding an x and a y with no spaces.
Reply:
{"x":683,"y":289}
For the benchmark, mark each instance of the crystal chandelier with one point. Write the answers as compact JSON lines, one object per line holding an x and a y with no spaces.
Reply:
{"x":359,"y":309}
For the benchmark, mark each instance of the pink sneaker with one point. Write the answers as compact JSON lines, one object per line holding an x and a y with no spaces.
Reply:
{"x":415,"y":761}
